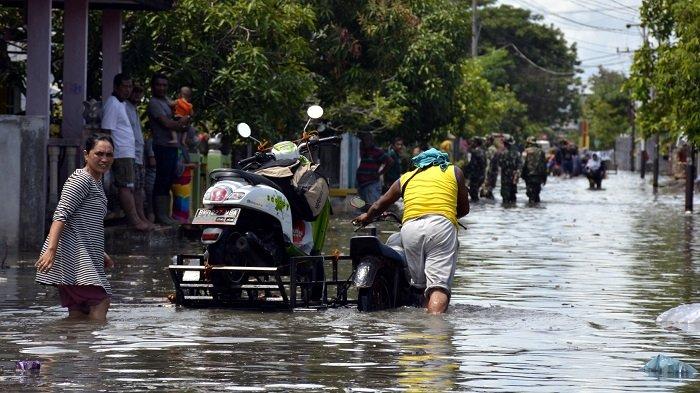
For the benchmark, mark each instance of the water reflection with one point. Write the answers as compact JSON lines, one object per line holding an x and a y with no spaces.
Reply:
{"x":427,"y":357}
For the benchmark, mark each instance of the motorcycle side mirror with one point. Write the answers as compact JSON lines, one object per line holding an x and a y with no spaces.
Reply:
{"x":314,"y":111}
{"x":357,"y":202}
{"x":243,"y":130}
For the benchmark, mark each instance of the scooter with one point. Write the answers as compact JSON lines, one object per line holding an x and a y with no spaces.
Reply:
{"x":381,"y":274}
{"x":255,"y":220}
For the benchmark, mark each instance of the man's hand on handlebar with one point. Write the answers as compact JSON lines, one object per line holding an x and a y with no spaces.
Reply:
{"x":361,"y":220}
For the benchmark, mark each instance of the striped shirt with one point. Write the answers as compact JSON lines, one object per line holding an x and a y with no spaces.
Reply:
{"x":80,"y":253}
{"x":371,"y":159}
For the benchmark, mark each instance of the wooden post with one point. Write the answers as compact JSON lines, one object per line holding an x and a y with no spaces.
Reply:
{"x":655,"y":182}
{"x":690,"y":179}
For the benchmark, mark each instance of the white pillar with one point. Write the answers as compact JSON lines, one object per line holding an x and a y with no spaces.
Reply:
{"x":111,"y":49}
{"x":75,"y":22}
{"x":38,"y":58}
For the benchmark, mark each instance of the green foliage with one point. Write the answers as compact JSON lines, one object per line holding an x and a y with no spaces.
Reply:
{"x":12,"y":34}
{"x":666,"y":78}
{"x":392,"y":67}
{"x":551,"y":99}
{"x":246,"y":61}
{"x":607,"y":108}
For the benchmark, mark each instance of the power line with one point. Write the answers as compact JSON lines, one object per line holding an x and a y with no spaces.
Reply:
{"x":604,"y":64}
{"x":599,"y":3}
{"x":589,"y":10}
{"x":624,"y":5}
{"x":600,"y":28}
{"x":600,"y":57}
{"x":602,"y":13}
{"x":539,"y":67}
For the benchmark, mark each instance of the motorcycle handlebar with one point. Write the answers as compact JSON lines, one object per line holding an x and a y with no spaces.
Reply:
{"x":257,"y":157}
{"x":386,"y":216}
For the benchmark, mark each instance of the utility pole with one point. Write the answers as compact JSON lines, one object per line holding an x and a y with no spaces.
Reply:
{"x":644,"y":155}
{"x":655,"y":182}
{"x":690,"y":179}
{"x":475,"y":30}
{"x":632,"y":120}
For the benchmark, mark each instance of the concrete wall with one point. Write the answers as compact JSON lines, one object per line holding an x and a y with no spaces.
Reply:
{"x":622,"y":155}
{"x":23,"y":191}
{"x":10,"y":146}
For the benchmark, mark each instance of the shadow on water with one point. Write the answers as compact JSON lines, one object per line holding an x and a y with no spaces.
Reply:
{"x":557,"y":297}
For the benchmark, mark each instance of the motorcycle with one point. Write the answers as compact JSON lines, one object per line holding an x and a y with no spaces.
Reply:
{"x":381,"y":274}
{"x":255,"y":220}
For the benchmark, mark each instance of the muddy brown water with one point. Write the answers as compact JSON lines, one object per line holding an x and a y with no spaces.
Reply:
{"x":560,"y":297}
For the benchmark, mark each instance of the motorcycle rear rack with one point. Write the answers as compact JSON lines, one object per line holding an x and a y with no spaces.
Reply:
{"x":281,"y":288}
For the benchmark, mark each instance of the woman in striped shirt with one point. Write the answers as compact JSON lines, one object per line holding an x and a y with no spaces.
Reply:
{"x":73,"y":257}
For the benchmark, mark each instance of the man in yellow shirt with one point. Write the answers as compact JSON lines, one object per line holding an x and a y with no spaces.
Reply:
{"x":435,"y":196}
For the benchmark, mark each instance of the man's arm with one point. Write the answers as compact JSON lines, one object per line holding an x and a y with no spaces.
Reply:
{"x":172,"y":124}
{"x":156,"y":112}
{"x":388,"y":162}
{"x":392,"y":195}
{"x":462,"y":194}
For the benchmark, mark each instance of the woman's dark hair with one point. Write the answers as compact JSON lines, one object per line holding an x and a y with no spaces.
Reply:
{"x":92,"y":140}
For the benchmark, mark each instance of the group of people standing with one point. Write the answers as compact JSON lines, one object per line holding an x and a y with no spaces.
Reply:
{"x":73,"y":256}
{"x":487,"y":158}
{"x":492,"y":154}
{"x":135,"y":158}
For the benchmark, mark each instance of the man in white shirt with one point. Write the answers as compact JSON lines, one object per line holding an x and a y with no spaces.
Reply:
{"x":116,"y":122}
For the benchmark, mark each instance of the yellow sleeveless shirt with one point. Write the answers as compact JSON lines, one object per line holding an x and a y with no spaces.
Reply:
{"x":430,"y":192}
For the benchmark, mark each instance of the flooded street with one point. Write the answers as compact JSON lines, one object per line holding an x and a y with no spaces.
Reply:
{"x":561,"y":297}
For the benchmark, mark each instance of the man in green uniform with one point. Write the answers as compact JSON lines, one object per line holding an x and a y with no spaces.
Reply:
{"x":534,"y":170}
{"x":475,"y":170}
{"x":491,"y":168}
{"x":510,"y":163}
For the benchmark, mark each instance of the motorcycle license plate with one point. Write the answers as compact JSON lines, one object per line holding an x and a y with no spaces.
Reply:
{"x":216,"y":216}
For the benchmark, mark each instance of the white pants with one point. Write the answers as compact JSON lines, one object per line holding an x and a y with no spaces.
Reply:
{"x":430,"y":243}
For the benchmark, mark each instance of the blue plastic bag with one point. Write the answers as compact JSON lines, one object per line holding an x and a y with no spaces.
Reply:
{"x":669,"y":367}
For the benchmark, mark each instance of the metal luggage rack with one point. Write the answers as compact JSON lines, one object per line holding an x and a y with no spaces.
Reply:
{"x":283,"y":288}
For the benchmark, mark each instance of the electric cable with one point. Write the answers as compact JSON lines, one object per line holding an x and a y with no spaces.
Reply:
{"x":539,"y":67}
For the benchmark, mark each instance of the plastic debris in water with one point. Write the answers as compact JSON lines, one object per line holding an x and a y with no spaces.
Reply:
{"x":28,"y":365}
{"x":669,"y":367}
{"x":685,"y":313}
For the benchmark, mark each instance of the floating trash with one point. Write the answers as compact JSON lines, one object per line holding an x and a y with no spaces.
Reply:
{"x":669,"y":367}
{"x":28,"y":365}
{"x":685,"y":313}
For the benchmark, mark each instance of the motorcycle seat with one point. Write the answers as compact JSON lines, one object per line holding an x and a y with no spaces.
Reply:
{"x":252,"y":178}
{"x":370,"y":245}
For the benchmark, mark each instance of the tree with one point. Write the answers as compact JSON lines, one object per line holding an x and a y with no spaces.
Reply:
{"x":551,"y":97}
{"x":403,"y":68}
{"x":246,"y":61}
{"x":607,"y":108}
{"x":666,"y":78}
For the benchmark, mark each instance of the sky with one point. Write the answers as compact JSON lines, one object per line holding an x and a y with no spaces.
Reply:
{"x":598,"y":27}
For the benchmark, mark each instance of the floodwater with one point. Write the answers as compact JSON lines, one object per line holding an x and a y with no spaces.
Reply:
{"x":562,"y":297}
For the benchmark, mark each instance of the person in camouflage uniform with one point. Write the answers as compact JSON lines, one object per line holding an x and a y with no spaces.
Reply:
{"x":534,"y":170}
{"x":475,"y":170}
{"x":491,"y":168}
{"x":510,"y":163}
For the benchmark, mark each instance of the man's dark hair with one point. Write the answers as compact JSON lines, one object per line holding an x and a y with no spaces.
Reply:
{"x":156,"y":76}
{"x":137,"y":89}
{"x":92,"y":140}
{"x":396,"y":139}
{"x":120,"y":78}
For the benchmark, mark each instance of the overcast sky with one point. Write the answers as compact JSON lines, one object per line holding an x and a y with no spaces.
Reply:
{"x":598,"y":27}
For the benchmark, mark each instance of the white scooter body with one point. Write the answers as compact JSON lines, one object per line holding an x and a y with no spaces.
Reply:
{"x":240,"y":194}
